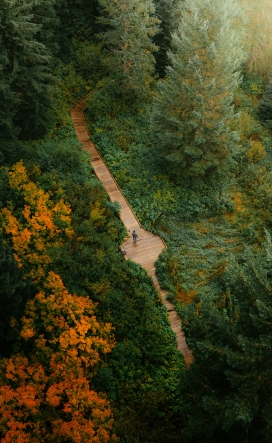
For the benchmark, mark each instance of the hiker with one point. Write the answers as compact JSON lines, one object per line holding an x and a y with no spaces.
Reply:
{"x":134,"y":236}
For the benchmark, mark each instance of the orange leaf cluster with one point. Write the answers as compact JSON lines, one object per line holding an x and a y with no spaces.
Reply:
{"x":47,"y":396}
{"x":52,"y":400}
{"x":37,"y":231}
{"x":68,"y":324}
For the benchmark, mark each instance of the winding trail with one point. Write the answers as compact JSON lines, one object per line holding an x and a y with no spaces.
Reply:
{"x":149,"y":246}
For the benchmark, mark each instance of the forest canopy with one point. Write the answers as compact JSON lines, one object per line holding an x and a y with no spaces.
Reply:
{"x":179,"y":106}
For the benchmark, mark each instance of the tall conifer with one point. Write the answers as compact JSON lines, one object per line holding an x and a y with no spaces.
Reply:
{"x":24,"y":75}
{"x":265,"y":105}
{"x":193,"y":111}
{"x":168,"y":13}
{"x":45,"y":14}
{"x":131,"y":26}
{"x":228,"y":390}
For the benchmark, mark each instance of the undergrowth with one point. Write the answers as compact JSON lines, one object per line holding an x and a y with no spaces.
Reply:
{"x":201,"y":222}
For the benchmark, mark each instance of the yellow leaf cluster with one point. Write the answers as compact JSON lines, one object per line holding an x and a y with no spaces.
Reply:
{"x":256,"y":151}
{"x":37,"y":231}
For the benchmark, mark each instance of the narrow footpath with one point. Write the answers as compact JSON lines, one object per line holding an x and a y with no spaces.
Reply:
{"x":149,"y":246}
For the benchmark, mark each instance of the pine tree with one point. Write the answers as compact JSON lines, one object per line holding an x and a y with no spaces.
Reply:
{"x":265,"y":106}
{"x":131,"y":26}
{"x":14,"y":291}
{"x":45,"y":15}
{"x":77,"y":21}
{"x":193,"y":112}
{"x":229,"y":387}
{"x":8,"y":131}
{"x":168,"y":14}
{"x":24,"y":76}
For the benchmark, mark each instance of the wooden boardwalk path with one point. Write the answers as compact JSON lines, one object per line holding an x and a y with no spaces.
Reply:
{"x":149,"y":246}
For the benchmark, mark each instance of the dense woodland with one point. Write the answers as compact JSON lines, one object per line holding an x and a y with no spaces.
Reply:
{"x":179,"y":104}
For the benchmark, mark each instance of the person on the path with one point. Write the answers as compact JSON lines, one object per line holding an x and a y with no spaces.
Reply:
{"x":134,"y":236}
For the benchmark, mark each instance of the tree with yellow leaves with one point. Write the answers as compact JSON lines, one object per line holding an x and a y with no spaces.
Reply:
{"x":41,"y":226}
{"x":258,"y":39}
{"x":45,"y":393}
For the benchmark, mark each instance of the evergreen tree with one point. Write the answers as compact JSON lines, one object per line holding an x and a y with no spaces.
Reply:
{"x":229,"y":387}
{"x":8,"y":131}
{"x":193,"y":112}
{"x":24,"y":76}
{"x":168,"y":14}
{"x":265,"y":106}
{"x":131,"y":26}
{"x":77,"y":20}
{"x":14,"y":292}
{"x":45,"y":15}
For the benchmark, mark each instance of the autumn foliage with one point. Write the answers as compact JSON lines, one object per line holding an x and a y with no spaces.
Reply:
{"x":46,"y":396}
{"x":45,"y":393}
{"x":41,"y":226}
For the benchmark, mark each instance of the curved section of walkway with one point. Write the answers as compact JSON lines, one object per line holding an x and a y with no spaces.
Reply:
{"x":149,"y":246}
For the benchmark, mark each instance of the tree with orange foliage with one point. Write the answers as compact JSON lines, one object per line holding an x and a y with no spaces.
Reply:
{"x":42,"y":225}
{"x":45,"y":393}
